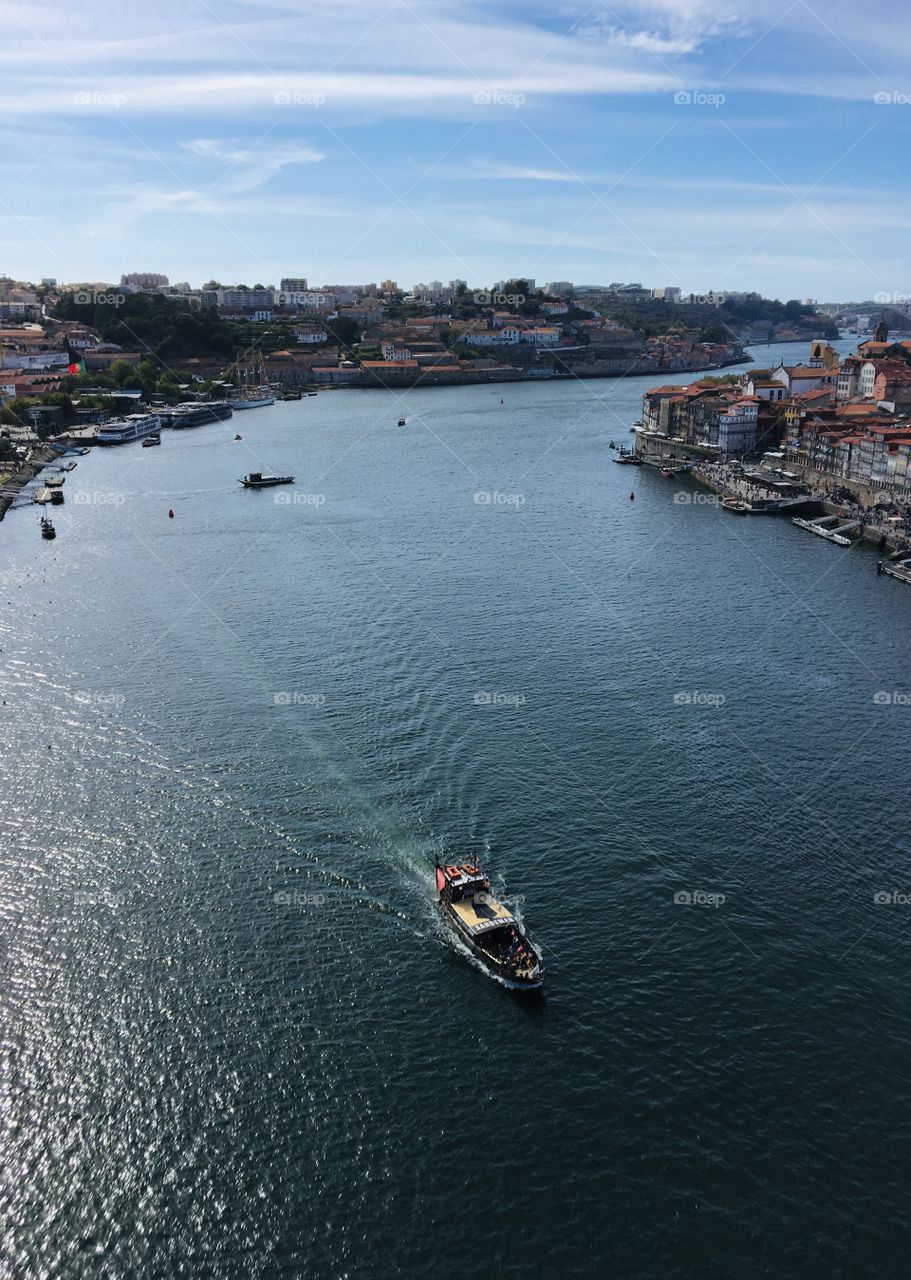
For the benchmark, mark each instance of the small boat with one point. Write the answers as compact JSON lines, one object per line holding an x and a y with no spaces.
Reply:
{"x":292,"y":395}
{"x":627,"y":459}
{"x":56,"y":497}
{"x":401,"y":422}
{"x":487,"y":927}
{"x":737,"y":506}
{"x":256,"y":480}
{"x":152,"y":440}
{"x":238,"y":437}
{"x":48,"y":532}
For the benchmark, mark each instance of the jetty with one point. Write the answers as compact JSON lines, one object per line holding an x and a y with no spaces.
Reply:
{"x":832,"y":528}
{"x":901,"y":569}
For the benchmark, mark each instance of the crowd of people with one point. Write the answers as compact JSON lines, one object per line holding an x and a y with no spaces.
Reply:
{"x":894,"y":521}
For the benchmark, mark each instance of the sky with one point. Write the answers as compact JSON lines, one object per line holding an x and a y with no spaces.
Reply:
{"x":760,"y":144}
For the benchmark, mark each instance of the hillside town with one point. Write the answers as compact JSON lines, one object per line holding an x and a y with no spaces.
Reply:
{"x":345,"y":335}
{"x":839,"y":424}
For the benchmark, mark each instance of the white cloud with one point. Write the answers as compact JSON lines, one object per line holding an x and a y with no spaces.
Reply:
{"x":252,"y":166}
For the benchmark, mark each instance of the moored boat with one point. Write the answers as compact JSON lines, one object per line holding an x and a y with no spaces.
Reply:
{"x":255,"y":400}
{"x":133,"y":427}
{"x":737,"y":506}
{"x":487,"y":927}
{"x":627,"y":459}
{"x":48,"y":532}
{"x":256,"y":480}
{"x":151,"y":440}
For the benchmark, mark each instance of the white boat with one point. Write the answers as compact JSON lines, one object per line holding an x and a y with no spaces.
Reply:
{"x":251,"y":393}
{"x":257,"y":399}
{"x":133,"y":427}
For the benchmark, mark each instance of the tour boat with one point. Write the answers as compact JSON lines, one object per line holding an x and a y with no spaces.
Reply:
{"x":133,"y":427}
{"x":195,"y":413}
{"x":256,"y":480}
{"x":47,"y":529}
{"x":487,"y":927}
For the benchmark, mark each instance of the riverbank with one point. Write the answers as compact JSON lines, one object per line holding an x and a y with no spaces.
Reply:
{"x":393,"y":380}
{"x":16,"y":476}
{"x":877,"y":524}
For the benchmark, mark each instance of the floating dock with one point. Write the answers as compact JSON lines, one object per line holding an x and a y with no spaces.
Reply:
{"x":832,"y":528}
{"x":901,"y":569}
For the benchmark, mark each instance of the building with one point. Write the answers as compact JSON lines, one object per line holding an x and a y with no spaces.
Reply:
{"x":144,"y":280}
{"x":293,"y":284}
{"x":243,"y":300}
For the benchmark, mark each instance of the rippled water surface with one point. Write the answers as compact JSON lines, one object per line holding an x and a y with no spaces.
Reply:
{"x":238,"y":1041}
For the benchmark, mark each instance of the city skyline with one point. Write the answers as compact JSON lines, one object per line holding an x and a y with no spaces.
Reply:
{"x":676,"y":142}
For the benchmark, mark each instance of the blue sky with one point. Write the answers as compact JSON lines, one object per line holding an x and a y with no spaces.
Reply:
{"x":757,"y":145}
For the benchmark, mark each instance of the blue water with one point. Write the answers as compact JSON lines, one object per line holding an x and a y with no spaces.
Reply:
{"x":237,"y":1039}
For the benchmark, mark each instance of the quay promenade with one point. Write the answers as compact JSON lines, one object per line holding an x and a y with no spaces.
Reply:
{"x":884,"y":524}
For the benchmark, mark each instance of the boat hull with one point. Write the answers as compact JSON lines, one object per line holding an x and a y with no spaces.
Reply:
{"x":259,"y":403}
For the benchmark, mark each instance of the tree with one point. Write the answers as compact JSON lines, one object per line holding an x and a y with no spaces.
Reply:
{"x":343,"y":331}
{"x":120,"y":371}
